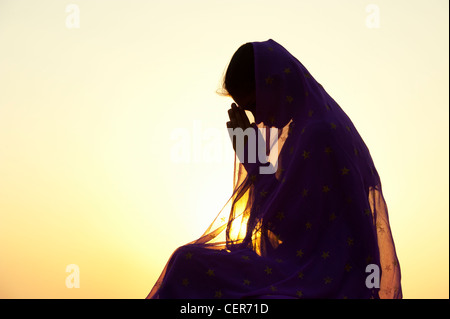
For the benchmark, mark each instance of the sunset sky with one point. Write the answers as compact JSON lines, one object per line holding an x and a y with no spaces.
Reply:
{"x":97,"y":95}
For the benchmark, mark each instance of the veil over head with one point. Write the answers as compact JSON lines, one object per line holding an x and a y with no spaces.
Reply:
{"x":317,"y":227}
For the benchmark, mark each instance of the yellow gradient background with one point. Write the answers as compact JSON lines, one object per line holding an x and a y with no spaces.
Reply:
{"x":88,"y":115}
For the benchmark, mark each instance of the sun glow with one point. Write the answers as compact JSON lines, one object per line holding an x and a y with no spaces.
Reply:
{"x":87,"y":111}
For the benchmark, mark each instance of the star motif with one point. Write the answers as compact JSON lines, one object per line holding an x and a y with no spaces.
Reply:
{"x":310,"y":113}
{"x":327,"y":107}
{"x":273,"y":288}
{"x":269,"y":80}
{"x":303,"y":131}
{"x":368,"y":259}
{"x":332,"y":217}
{"x":325,"y":189}
{"x":300,"y":275}
{"x":325,"y":254}
{"x":270,"y":48}
{"x":347,"y":267}
{"x":300,"y":253}
{"x":278,"y":260}
{"x":268,"y":270}
{"x":185,"y":282}
{"x":210,"y":272}
{"x":280,"y":216}
{"x":350,"y":241}
{"x":263,"y":193}
{"x":289,"y":98}
{"x":287,"y":70}
{"x":308,"y":225}
{"x":305,"y":192}
{"x":348,"y":128}
{"x":253,"y":177}
{"x":368,"y":212}
{"x":305,"y":154}
{"x":188,"y":256}
{"x":299,"y":293}
{"x":307,"y":75}
{"x":333,"y":126}
{"x":345,"y":171}
{"x":355,"y":150}
{"x":218,"y":294}
{"x":306,"y":93}
{"x":246,"y":282}
{"x":328,"y":150}
{"x":327,"y":280}
{"x":245,"y":257}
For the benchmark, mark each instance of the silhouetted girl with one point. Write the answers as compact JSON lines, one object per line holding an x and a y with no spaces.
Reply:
{"x":317,"y":227}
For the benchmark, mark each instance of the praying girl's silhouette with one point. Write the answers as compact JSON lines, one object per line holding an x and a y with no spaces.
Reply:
{"x":316,"y":228}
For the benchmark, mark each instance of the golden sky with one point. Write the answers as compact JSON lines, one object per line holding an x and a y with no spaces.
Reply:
{"x":95,"y":96}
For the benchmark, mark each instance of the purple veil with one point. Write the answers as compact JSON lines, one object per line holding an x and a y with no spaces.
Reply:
{"x":316,"y":228}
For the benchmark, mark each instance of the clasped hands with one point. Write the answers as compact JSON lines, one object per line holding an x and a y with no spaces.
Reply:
{"x":238,"y":118}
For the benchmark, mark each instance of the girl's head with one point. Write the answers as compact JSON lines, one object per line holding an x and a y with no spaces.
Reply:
{"x":239,"y":80}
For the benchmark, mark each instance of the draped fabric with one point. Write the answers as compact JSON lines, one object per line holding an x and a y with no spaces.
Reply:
{"x":317,"y":227}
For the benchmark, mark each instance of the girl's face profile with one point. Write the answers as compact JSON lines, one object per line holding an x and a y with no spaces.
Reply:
{"x":247,"y":102}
